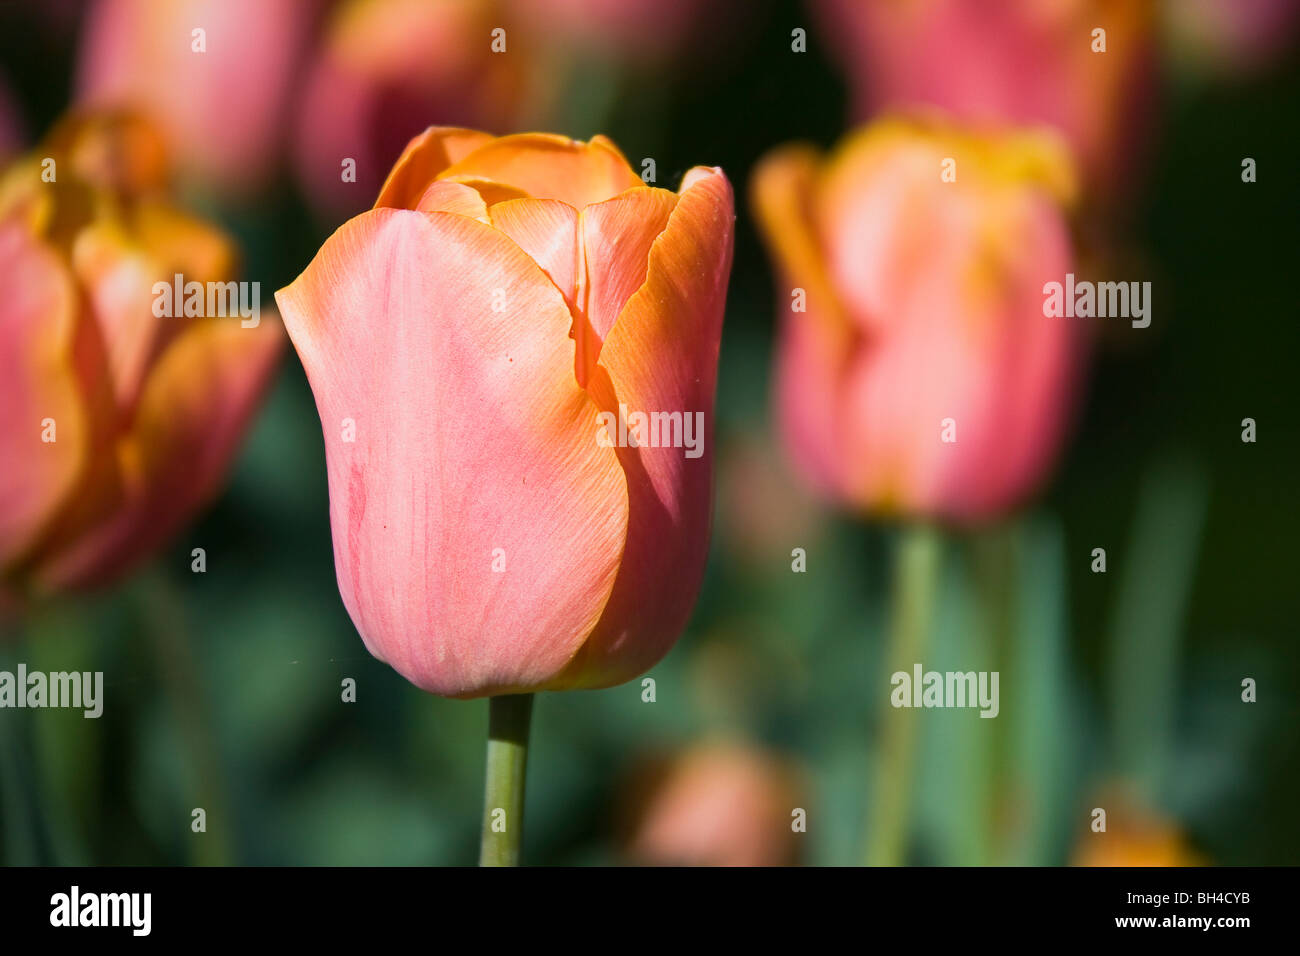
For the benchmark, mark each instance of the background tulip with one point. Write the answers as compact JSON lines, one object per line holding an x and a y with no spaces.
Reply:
{"x":715,"y":804}
{"x":381,"y":68}
{"x":222,"y":109}
{"x":924,"y":304}
{"x":118,"y":423}
{"x":473,"y":326}
{"x":1018,"y":62}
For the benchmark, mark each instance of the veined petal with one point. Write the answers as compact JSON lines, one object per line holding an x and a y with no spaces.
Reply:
{"x":617,"y":235}
{"x":661,"y":357}
{"x":424,"y":158}
{"x":478,"y":524}
{"x":547,"y":166}
{"x":453,"y":197}
{"x":546,"y":229}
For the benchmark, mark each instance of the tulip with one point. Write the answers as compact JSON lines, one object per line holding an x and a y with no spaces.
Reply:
{"x":716,"y":804}
{"x":118,"y":423}
{"x":476,"y":342}
{"x":1014,"y":62}
{"x":1135,"y":835}
{"x":220,"y":96}
{"x":916,"y":371}
{"x":463,"y":339}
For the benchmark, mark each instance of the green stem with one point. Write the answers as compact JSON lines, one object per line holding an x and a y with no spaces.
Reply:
{"x":916,"y":568}
{"x":18,"y":812}
{"x":509,"y":717}
{"x":178,"y":670}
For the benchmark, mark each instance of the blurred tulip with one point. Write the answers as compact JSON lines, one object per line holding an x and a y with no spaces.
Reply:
{"x":921,"y":376}
{"x":1235,"y":36}
{"x":1134,"y":836}
{"x":222,"y":107}
{"x":486,"y":537}
{"x":621,"y":28}
{"x":118,"y":424}
{"x":717,"y":804}
{"x":1014,"y":62}
{"x":385,"y":69}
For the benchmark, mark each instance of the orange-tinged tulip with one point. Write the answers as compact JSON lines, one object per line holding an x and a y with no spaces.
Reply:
{"x":471,"y":341}
{"x":116,"y":423}
{"x":721,"y":803}
{"x":921,"y":376}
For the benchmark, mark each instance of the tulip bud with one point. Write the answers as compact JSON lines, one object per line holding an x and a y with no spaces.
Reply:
{"x":117,"y":418}
{"x":525,"y":337}
{"x":917,"y":373}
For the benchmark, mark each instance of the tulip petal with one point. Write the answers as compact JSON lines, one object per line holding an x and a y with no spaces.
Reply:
{"x":547,"y":166}
{"x":191,"y":416}
{"x":38,"y":324}
{"x":118,"y":276}
{"x":617,"y":236}
{"x":662,"y":356}
{"x":783,"y":190}
{"x":547,"y":230}
{"x":448,"y":349}
{"x":453,"y":197}
{"x":424,"y":158}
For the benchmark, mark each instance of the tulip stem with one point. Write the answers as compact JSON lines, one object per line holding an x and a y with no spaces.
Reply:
{"x":916,"y":572}
{"x":509,"y":717}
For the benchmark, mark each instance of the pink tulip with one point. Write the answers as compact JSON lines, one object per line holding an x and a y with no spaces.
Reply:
{"x":1012,"y":62}
{"x":718,"y":804}
{"x":923,"y":377}
{"x":116,"y":424}
{"x":222,"y":107}
{"x":469,"y":340}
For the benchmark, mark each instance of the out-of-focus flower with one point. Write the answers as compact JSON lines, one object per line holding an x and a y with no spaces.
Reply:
{"x":717,"y":804}
{"x":116,"y":423}
{"x":1135,"y":836}
{"x":1235,"y":36}
{"x":621,"y":28}
{"x":1014,"y":62}
{"x":386,"y":69}
{"x":220,"y":96}
{"x":474,"y":342}
{"x":922,"y":376}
